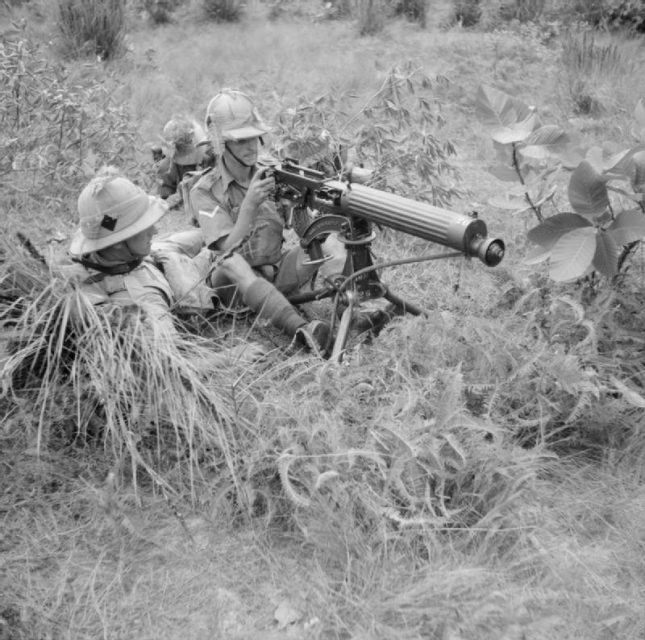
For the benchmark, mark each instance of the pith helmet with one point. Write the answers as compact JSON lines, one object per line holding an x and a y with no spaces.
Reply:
{"x":111,"y":210}
{"x":231,"y":115}
{"x":183,"y":137}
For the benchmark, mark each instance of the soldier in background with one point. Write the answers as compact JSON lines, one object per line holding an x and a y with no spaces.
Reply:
{"x":185,"y":149}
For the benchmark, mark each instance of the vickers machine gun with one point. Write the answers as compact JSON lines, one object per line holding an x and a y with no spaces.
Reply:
{"x":350,"y":208}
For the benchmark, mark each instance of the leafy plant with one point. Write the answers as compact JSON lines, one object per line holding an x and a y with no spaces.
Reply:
{"x":370,"y":16}
{"x":467,"y":12}
{"x":414,"y":10}
{"x":93,"y":27}
{"x":523,"y":10}
{"x":598,"y":234}
{"x":628,"y":15}
{"x":393,"y":133}
{"x":160,"y":11}
{"x":56,"y":131}
{"x":223,"y":10}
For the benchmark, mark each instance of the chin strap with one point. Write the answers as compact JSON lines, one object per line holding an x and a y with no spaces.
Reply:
{"x":107,"y":270}
{"x":248,"y":166}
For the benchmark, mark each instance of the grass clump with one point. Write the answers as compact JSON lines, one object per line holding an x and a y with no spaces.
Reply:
{"x":112,"y":377}
{"x":92,"y":27}
{"x":223,"y":10}
{"x":592,"y":72}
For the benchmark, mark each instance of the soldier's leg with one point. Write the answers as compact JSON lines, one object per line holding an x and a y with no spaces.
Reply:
{"x":262,"y":297}
{"x":294,"y":273}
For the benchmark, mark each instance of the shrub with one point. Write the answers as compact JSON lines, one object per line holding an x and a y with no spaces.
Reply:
{"x":92,"y":27}
{"x":629,"y":15}
{"x":55,"y":132}
{"x":370,"y":15}
{"x":160,"y":11}
{"x":392,"y":134}
{"x":413,"y":10}
{"x":523,"y":10}
{"x":223,"y":10}
{"x":467,"y":12}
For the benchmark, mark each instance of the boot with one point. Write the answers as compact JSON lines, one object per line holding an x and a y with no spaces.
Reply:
{"x":263,"y":298}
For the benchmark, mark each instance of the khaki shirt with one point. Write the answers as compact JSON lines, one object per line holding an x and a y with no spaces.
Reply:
{"x":170,"y":174}
{"x":144,"y":287}
{"x":217,"y":197}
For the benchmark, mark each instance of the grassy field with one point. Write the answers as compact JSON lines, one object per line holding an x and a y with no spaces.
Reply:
{"x":474,"y":473}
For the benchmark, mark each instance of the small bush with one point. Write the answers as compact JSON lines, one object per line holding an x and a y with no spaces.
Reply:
{"x":370,"y":15}
{"x":413,"y":10}
{"x":523,"y":10}
{"x":92,"y":27}
{"x":467,"y":12}
{"x":628,"y":15}
{"x":223,"y":10}
{"x":57,"y":131}
{"x":593,"y":12}
{"x":160,"y":11}
{"x":337,"y":9}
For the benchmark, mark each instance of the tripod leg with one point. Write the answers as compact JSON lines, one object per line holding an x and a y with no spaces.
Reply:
{"x":343,"y":330}
{"x":402,"y":305}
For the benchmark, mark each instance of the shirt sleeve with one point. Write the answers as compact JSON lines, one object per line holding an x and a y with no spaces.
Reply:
{"x":169,"y":178}
{"x":145,"y":287}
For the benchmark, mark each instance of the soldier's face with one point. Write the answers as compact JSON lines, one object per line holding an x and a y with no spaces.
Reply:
{"x":245,"y":151}
{"x":140,"y":244}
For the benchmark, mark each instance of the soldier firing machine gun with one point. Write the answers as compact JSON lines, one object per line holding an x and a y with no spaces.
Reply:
{"x":350,"y":208}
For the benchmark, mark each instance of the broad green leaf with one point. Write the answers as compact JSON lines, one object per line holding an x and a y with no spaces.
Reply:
{"x":509,"y":119}
{"x":572,"y":254}
{"x":504,"y":173}
{"x":639,"y":113}
{"x":535,"y":152}
{"x":620,"y":164}
{"x":494,"y":108}
{"x":637,"y":174}
{"x":503,"y":153}
{"x":571,"y":157}
{"x":587,"y":191}
{"x":595,"y":156}
{"x":634,"y":197}
{"x":629,"y":226}
{"x":547,"y":233}
{"x":537,"y":255}
{"x":545,"y":141}
{"x":605,"y":259}
{"x":515,"y":132}
{"x":505,"y":202}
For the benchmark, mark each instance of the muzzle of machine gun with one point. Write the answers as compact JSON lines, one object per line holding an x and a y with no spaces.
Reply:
{"x":466,"y":233}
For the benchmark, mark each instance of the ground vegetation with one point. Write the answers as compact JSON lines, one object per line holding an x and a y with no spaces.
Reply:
{"x":474,"y":472}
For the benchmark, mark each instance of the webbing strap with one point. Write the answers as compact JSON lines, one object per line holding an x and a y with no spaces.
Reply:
{"x":107,"y":270}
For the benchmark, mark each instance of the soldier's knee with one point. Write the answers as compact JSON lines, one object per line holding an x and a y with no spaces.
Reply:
{"x":238,"y":270}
